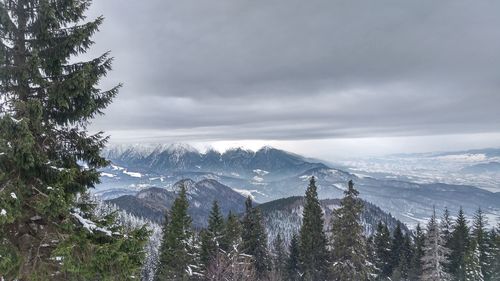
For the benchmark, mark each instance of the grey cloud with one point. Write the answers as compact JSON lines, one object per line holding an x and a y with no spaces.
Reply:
{"x":302,"y":69}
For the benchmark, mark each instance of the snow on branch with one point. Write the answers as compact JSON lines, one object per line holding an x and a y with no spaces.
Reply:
{"x":90,"y":225}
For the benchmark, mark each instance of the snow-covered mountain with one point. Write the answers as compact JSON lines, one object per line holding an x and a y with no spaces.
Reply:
{"x":152,"y":203}
{"x":269,"y":162}
{"x":269,"y":174}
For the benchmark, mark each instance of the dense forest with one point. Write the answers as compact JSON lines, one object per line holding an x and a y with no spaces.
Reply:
{"x":236,"y":248}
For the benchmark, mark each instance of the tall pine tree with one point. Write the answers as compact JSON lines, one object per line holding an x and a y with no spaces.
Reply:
{"x":255,"y":239}
{"x":382,"y":242}
{"x":212,"y":237}
{"x":279,"y":257}
{"x":459,"y":243}
{"x":495,"y":266}
{"x":47,"y":157}
{"x":419,"y":245}
{"x":349,"y":250}
{"x":313,"y":242}
{"x":231,"y":238}
{"x":404,"y":268}
{"x":480,"y":238}
{"x":176,"y":257}
{"x":434,"y":259}
{"x":473,"y":270}
{"x":293,"y":272}
{"x":396,"y":247}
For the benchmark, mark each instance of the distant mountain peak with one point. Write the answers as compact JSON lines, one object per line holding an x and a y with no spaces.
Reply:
{"x":181,"y":148}
{"x":267,"y":148}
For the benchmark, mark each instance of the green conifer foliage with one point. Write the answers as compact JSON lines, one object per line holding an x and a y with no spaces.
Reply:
{"x":459,"y":243}
{"x":279,"y":256}
{"x":47,"y":157}
{"x":177,"y":259}
{"x":231,"y":238}
{"x":293,"y":272}
{"x":255,"y":240}
{"x":480,"y":237}
{"x":313,"y":242}
{"x":349,"y":250}
{"x":404,"y":267}
{"x":396,"y":247}
{"x":495,"y":266}
{"x":472,"y":264}
{"x":212,"y":237}
{"x":419,"y":244}
{"x":382,"y":242}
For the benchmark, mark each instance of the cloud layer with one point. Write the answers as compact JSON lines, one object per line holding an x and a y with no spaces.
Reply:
{"x":298,"y":70}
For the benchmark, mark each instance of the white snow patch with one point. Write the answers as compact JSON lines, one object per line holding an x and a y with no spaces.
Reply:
{"x":13,"y":195}
{"x":340,"y":186}
{"x":133,"y":174}
{"x":3,"y":212}
{"x":107,"y":175}
{"x":57,"y":168}
{"x":260,"y":172}
{"x":361,"y":176}
{"x":114,"y":167}
{"x":90,"y":225}
{"x":16,"y":120}
{"x":257,"y":179}
{"x":245,"y":192}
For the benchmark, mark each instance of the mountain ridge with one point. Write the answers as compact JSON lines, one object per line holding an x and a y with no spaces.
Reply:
{"x":270,"y":173}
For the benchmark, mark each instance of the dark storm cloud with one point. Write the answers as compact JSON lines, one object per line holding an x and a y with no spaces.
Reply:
{"x":294,"y":69}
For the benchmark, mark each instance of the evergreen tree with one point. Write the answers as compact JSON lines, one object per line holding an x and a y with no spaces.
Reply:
{"x":293,"y":272}
{"x":177,"y":260}
{"x":349,"y":250}
{"x":382,"y":242}
{"x":47,"y":157}
{"x":480,"y":238}
{"x":459,"y":243}
{"x":495,"y":267}
{"x":255,"y":239}
{"x":435,"y":255}
{"x":446,"y":226}
{"x":313,"y":242}
{"x":472,"y":264}
{"x":372,"y":258}
{"x":231,"y":238}
{"x":396,"y":247}
{"x":403,"y":270}
{"x":212,"y":237}
{"x":279,"y":256}
{"x":416,"y":268}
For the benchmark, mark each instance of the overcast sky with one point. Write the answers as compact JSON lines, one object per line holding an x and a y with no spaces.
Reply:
{"x":324,"y":78}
